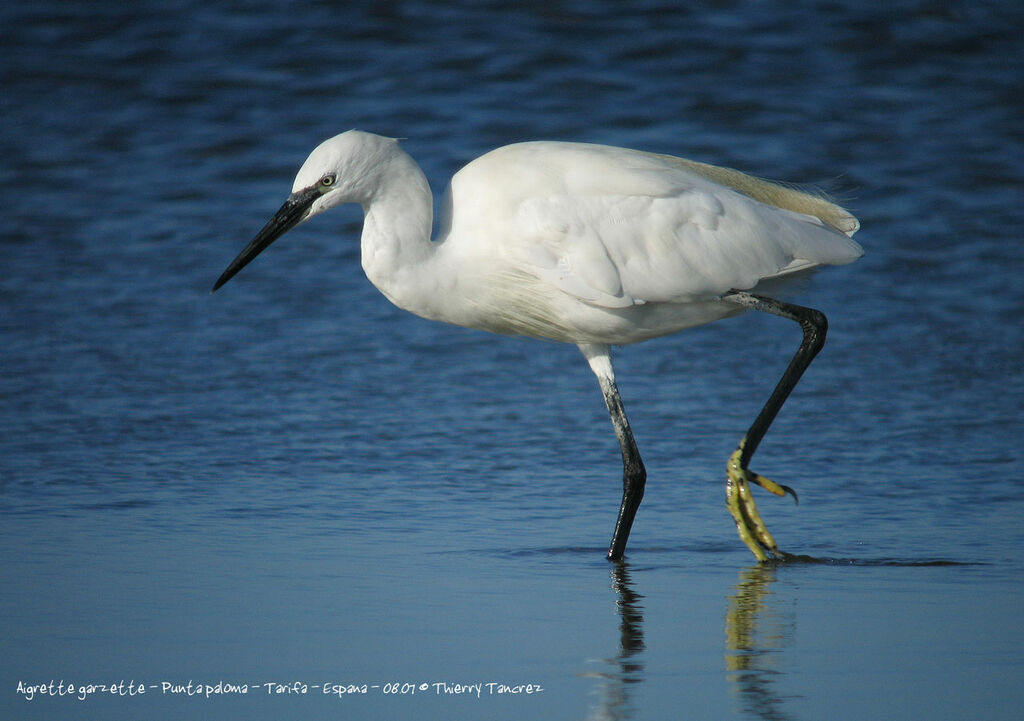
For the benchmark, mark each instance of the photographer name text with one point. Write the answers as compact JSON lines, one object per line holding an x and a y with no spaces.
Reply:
{"x":131,"y":689}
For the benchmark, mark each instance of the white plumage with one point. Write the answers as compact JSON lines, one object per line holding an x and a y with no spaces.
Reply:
{"x":579,"y":243}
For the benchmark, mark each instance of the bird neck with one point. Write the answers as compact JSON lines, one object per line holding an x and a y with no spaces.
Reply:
{"x":396,"y":233}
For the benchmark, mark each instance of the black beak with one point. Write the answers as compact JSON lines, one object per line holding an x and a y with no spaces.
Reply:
{"x":290,"y":215}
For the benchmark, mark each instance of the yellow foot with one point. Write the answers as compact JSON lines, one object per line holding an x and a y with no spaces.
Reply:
{"x":740,"y":503}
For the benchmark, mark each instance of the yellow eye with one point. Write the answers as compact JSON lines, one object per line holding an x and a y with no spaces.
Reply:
{"x":327,"y":181}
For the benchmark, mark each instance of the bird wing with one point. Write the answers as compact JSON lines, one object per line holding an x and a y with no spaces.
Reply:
{"x":617,"y":228}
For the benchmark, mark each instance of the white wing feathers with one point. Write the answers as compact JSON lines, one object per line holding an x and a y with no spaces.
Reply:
{"x":617,"y":251}
{"x":616,"y":227}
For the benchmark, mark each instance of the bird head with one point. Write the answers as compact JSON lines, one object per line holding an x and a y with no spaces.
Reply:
{"x":342,"y":169}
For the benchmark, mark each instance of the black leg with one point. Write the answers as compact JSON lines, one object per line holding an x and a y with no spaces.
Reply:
{"x":815,"y":326}
{"x":741,"y":504}
{"x":634,"y":475}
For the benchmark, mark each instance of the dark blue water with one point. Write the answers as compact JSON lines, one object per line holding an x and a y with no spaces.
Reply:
{"x":293,"y":482}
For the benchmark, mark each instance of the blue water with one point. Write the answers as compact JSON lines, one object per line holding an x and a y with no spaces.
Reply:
{"x":292,"y":482}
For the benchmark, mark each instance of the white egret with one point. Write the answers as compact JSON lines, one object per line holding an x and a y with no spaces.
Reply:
{"x":585,"y":244}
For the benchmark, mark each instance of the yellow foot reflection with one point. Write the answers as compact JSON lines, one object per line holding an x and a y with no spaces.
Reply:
{"x":740,"y":502}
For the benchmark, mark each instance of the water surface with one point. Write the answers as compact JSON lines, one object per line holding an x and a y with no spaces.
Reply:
{"x":294,"y":483}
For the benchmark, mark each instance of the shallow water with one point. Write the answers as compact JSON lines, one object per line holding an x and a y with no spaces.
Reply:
{"x":294,"y":483}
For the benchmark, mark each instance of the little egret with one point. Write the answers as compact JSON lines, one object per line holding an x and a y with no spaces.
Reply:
{"x":585,"y":244}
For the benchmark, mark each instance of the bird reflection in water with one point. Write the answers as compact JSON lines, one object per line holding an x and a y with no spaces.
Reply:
{"x":627,"y":667}
{"x":755,"y":633}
